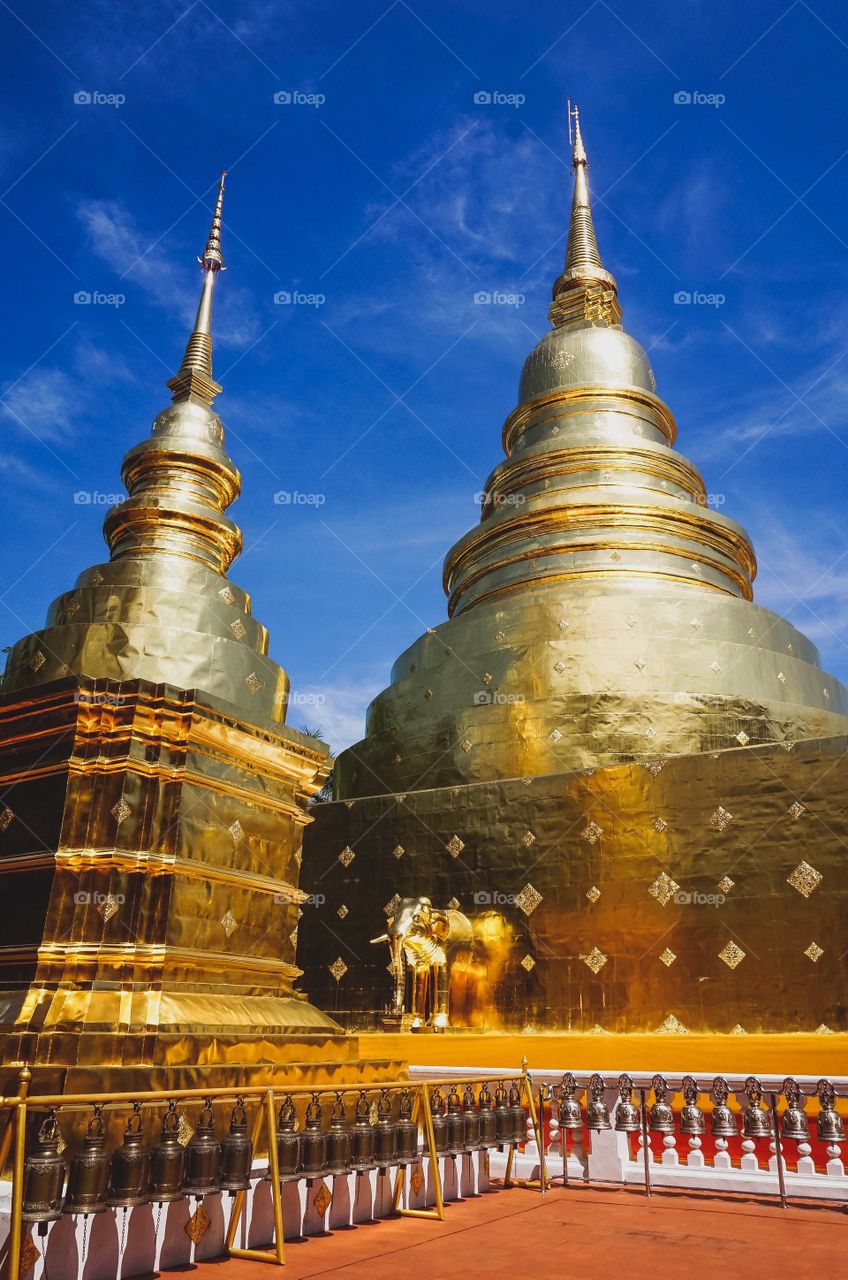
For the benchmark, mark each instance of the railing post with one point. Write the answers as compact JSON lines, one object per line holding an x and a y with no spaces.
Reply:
{"x":15,"y":1224}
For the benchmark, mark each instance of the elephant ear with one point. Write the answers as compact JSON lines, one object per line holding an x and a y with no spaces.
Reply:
{"x":439,"y":924}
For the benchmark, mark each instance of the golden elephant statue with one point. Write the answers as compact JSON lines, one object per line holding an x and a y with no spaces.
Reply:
{"x":446,"y":965}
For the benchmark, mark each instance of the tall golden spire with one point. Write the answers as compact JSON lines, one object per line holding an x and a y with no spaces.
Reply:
{"x":195,"y":373}
{"x":585,"y":293}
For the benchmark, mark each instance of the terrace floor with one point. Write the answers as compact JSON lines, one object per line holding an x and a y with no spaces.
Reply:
{"x":586,"y":1232}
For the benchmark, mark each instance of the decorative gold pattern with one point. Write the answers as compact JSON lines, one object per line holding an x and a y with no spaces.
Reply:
{"x":342,"y":911}
{"x":108,"y":906}
{"x":742,"y":738}
{"x":528,"y":899}
{"x":238,"y":629}
{"x":595,"y":960}
{"x":528,"y":839}
{"x":37,"y":661}
{"x":738,"y":1030}
{"x":346,"y":856}
{"x":593,"y":894}
{"x":671,"y":1026}
{"x":6,"y":816}
{"x":338,"y":968}
{"x":725,"y":884}
{"x":721,"y":819}
{"x":236,"y":831}
{"x":229,"y":923}
{"x":592,"y":832}
{"x":253,"y":682}
{"x":805,"y":879}
{"x":416,"y":1180}
{"x":663,"y":888}
{"x":731,"y":954}
{"x":398,"y":851}
{"x":392,"y":906}
{"x":796,"y":809}
{"x":455,"y":846}
{"x":120,"y":811}
{"x":823,"y":1030}
{"x":814,"y":951}
{"x":667,"y":957}
{"x":528,"y":963}
{"x":29,"y":1255}
{"x":660,"y":825}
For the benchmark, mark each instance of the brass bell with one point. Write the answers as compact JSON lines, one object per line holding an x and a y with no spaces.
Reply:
{"x":755,"y":1119}
{"x":288,"y":1141}
{"x":339,"y":1141}
{"x":472,"y":1119}
{"x":128,"y":1174}
{"x":440,"y":1124}
{"x":44,"y":1175}
{"x":456,"y":1122}
{"x":692,"y":1119}
{"x":829,"y":1125}
{"x":661,"y":1116}
{"x":236,"y":1152}
{"x":313,"y":1144}
{"x":362,"y":1136}
{"x":793,"y":1122}
{"x":407,"y":1131}
{"x":518,"y":1114}
{"x":503,"y":1120}
{"x":385,"y":1133}
{"x":628,"y":1117}
{"x":203,"y":1156}
{"x":488,"y":1123}
{"x":168,"y":1160}
{"x":597,"y":1116}
{"x":722,"y":1120}
{"x":88,"y":1179}
{"x":570,"y":1111}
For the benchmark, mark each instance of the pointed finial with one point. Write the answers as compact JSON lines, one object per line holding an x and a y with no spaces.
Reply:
{"x":212,"y":259}
{"x":578,"y":154}
{"x":585,"y":293}
{"x":194,"y":380}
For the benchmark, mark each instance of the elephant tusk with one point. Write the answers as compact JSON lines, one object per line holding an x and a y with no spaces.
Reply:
{"x":384,"y":937}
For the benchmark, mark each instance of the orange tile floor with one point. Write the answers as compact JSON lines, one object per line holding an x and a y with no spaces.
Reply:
{"x":585,"y":1232}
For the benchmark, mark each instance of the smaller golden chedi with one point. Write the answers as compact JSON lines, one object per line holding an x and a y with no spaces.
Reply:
{"x":154,"y":801}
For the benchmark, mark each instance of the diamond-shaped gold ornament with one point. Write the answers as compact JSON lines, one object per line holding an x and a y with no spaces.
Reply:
{"x":238,"y":629}
{"x":121,"y":810}
{"x":37,"y":661}
{"x":528,"y":839}
{"x":554,"y":735}
{"x":528,"y":899}
{"x":659,"y":824}
{"x":6,"y":816}
{"x":593,"y":894}
{"x":663,"y":889}
{"x":185,"y":1132}
{"x":655,"y":767}
{"x":228,"y":923}
{"x":198,"y":1224}
{"x":595,"y":960}
{"x":338,"y":968}
{"x":346,"y":856}
{"x":738,"y":1030}
{"x":721,"y":819}
{"x":455,"y":846}
{"x":795,"y":810}
{"x":416,"y":1180}
{"x":725,"y":884}
{"x":29,"y":1255}
{"x":528,"y":963}
{"x":742,"y":738}
{"x":815,"y":952}
{"x":559,"y":667}
{"x":227,"y":596}
{"x":323,"y":1200}
{"x":731,"y":954}
{"x":253,"y":682}
{"x":236,"y":831}
{"x":398,"y":851}
{"x":668,"y":957}
{"x":805,"y":879}
{"x":108,"y":906}
{"x":466,"y":745}
{"x":342,"y":912}
{"x":591,"y":832}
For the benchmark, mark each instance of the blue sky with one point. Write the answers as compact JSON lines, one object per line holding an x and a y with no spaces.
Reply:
{"x":385,"y":197}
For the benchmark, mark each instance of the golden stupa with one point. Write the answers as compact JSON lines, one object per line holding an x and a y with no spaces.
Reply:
{"x":154,"y":800}
{"x":608,"y":741}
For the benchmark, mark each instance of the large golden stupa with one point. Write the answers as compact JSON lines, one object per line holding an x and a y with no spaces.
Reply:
{"x":153,"y":799}
{"x":608,"y":741}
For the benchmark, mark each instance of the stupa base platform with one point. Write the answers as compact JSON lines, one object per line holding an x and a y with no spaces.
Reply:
{"x":801,"y":1054}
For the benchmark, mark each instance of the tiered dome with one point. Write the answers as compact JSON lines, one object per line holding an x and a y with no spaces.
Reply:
{"x":601,"y":610}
